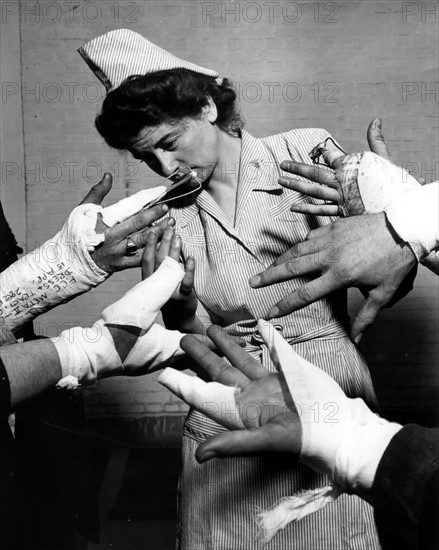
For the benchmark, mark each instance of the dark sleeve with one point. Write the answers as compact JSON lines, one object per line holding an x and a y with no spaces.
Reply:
{"x":405,"y":491}
{"x":5,"y":392}
{"x":8,"y":245}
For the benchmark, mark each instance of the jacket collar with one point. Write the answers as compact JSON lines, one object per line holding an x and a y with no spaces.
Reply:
{"x":257,"y":172}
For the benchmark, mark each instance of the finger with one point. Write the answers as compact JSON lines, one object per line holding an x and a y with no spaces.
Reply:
{"x":211,"y":345}
{"x":365,"y":317}
{"x":311,"y":189}
{"x":375,"y":138}
{"x":243,"y":442}
{"x":313,"y":172}
{"x":99,"y":191}
{"x":217,"y":401}
{"x":175,"y":248}
{"x":141,"y":237}
{"x":149,"y":254}
{"x":319,"y":233}
{"x":239,"y":358}
{"x":139,"y":221}
{"x":215,"y":368}
{"x":305,"y":295}
{"x":296,"y":251}
{"x":187,"y":284}
{"x":165,"y":246}
{"x":289,"y":269}
{"x":315,"y":209}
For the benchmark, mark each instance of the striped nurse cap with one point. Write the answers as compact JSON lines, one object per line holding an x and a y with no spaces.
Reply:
{"x":118,"y":54}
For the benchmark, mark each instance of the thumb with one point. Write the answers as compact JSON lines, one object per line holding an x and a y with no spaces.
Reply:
{"x":375,"y":138}
{"x":98,"y":192}
{"x":236,"y":443}
{"x":365,"y":317}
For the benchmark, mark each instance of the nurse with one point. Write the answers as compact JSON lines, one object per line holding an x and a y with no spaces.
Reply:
{"x":171,"y":115}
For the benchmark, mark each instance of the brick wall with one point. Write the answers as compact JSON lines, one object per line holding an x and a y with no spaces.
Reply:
{"x":311,"y":64}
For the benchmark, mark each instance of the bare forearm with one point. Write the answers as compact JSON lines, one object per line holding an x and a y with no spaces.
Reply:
{"x":32,"y":367}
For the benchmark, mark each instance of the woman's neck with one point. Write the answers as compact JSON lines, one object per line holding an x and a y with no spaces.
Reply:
{"x":223,"y":182}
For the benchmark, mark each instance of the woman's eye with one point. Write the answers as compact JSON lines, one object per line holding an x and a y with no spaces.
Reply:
{"x":170,"y":145}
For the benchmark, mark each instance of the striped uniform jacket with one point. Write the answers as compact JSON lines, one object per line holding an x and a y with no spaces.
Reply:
{"x":216,"y":497}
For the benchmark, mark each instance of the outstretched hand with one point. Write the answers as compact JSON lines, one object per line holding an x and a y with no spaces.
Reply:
{"x":265,"y":417}
{"x":361,"y":251}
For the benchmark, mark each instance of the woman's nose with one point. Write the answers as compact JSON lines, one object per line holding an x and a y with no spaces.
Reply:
{"x":168,"y":163}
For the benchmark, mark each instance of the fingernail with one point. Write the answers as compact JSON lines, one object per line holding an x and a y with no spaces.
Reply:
{"x":165,"y":207}
{"x":255,"y":280}
{"x":206,"y":456}
{"x":171,"y":222}
{"x":107,"y":176}
{"x":274,"y":312}
{"x":358,"y":338}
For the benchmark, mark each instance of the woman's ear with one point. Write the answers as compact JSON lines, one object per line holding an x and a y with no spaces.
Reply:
{"x":210,"y":111}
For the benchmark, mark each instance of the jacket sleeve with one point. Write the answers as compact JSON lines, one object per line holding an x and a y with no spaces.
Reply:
{"x":5,"y":392}
{"x":405,"y":491}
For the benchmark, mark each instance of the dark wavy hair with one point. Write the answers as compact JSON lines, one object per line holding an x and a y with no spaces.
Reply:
{"x":164,"y":97}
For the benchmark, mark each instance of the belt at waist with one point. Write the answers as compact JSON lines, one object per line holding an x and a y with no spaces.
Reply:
{"x":257,"y":348}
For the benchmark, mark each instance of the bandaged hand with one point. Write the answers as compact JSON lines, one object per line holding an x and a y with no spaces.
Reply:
{"x":350,"y":185}
{"x":126,"y":340}
{"x":301,"y":410}
{"x":89,"y":247}
{"x":368,"y":183}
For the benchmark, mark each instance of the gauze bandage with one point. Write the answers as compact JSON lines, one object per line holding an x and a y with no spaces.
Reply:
{"x":211,"y":398}
{"x":372,"y":184}
{"x":415,"y":217}
{"x":91,"y":353}
{"x":379,"y":181}
{"x":62,"y":267}
{"x":341,"y":437}
{"x":125,"y":208}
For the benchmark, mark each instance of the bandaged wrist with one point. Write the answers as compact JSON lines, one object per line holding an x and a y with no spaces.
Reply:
{"x":89,"y":354}
{"x":53,"y":273}
{"x":62,"y":267}
{"x":360,"y":451}
{"x":415,"y":217}
{"x":381,"y":182}
{"x":369,"y":183}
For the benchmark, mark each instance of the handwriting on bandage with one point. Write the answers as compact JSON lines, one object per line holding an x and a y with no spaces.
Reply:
{"x":32,"y":299}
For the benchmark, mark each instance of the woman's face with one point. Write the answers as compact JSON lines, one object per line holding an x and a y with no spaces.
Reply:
{"x":190,"y":142}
